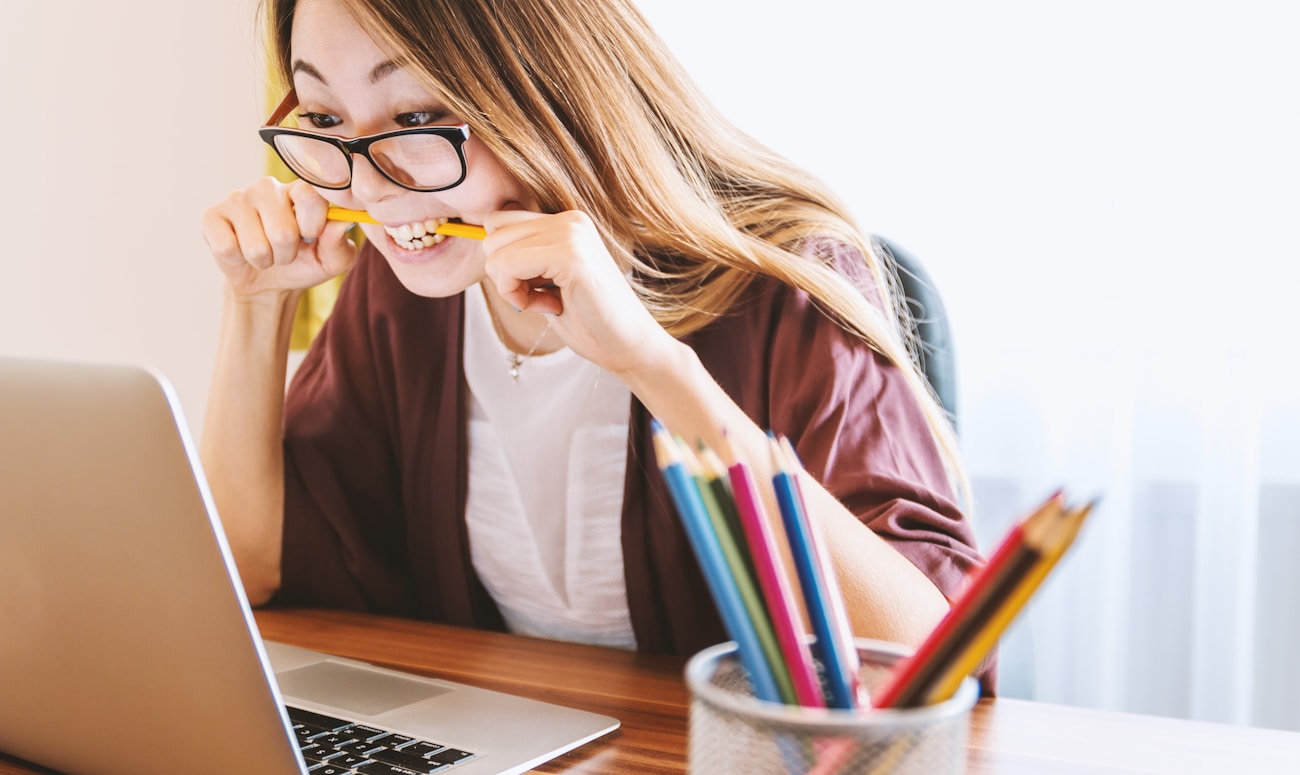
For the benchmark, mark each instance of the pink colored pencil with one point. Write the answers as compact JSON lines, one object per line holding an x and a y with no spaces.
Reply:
{"x":774,"y":582}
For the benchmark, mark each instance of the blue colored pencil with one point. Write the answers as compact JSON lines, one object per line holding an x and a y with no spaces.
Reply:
{"x":834,"y":644}
{"x":720,"y":505}
{"x":717,"y":575}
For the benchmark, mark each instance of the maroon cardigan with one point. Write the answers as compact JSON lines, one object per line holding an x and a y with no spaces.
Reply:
{"x":376,"y":447}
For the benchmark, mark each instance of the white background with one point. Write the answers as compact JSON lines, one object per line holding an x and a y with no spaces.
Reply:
{"x":1105,"y":194}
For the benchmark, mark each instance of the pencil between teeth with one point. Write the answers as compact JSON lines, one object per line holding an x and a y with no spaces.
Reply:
{"x":466,"y":230}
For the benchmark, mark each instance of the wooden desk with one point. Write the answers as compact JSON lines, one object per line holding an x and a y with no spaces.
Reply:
{"x":649,"y":696}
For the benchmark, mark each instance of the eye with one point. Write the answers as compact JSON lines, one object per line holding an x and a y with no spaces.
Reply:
{"x":420,"y":118}
{"x":319,"y":120}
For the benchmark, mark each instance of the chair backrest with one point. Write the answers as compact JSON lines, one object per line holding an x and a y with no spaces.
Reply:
{"x":930,"y":324}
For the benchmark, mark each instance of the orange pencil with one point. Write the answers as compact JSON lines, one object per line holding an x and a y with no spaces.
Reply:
{"x":907,"y":684}
{"x":1053,"y":544}
{"x":466,"y":230}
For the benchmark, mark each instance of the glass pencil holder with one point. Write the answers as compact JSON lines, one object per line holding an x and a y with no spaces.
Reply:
{"x":733,"y":733}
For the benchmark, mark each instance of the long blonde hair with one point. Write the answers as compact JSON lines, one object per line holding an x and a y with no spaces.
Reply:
{"x":584,"y":105}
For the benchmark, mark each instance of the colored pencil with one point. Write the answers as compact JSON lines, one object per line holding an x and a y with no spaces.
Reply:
{"x":914,"y":680}
{"x":1053,"y":544}
{"x":708,"y":553}
{"x":451,"y":229}
{"x":774,"y":582}
{"x":834,"y":642}
{"x":721,"y":508}
{"x":901,"y":684}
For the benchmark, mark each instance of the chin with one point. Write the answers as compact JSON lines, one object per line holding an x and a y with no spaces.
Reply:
{"x":434,"y":273}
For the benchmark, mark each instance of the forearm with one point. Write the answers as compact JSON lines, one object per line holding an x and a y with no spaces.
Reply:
{"x":886,"y":595}
{"x":241,"y":446}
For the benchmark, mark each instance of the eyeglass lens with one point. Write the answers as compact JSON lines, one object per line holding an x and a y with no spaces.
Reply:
{"x":419,"y":160}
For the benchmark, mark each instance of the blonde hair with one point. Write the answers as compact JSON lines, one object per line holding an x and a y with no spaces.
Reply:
{"x":585,"y":106}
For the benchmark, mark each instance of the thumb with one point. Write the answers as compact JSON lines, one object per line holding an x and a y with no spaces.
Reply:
{"x":335,"y":252}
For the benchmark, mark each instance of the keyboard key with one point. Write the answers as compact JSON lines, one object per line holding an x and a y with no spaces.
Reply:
{"x":404,"y":759}
{"x":363,"y":732}
{"x":328,"y":723}
{"x":384,"y":768}
{"x":307,"y":731}
{"x":393,"y":740}
{"x":335,"y":739}
{"x":319,"y":752}
{"x":348,"y":760}
{"x":328,"y":769}
{"x":451,"y":756}
{"x":423,"y":748}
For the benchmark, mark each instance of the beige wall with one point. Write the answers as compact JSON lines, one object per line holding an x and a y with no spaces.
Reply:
{"x":120,"y":123}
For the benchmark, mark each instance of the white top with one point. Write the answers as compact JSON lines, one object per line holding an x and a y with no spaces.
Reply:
{"x":547,"y":458}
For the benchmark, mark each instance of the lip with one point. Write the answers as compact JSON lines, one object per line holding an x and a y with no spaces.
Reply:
{"x":422,"y":256}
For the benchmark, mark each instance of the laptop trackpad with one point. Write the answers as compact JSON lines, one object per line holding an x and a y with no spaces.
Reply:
{"x":354,"y":688}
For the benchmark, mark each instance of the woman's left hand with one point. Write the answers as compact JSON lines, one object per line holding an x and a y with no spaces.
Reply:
{"x":559,"y":265}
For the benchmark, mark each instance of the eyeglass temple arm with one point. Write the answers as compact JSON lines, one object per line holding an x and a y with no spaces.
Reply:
{"x":286,"y":105}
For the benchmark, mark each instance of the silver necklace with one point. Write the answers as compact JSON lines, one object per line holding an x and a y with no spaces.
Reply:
{"x":513,"y":359}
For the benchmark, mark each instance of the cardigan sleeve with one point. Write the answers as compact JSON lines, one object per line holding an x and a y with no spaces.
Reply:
{"x":343,"y":539}
{"x":857,"y":426}
{"x":860,"y":430}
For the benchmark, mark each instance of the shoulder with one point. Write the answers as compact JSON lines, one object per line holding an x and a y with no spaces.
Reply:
{"x":777,"y":348}
{"x":770,"y":307}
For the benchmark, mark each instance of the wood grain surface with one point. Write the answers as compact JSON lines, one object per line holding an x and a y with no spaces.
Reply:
{"x":648,"y":695}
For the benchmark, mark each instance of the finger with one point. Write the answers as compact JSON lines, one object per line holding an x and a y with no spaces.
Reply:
{"x":310,"y":210}
{"x":279,"y":219}
{"x":504,"y":227}
{"x":518,"y":278}
{"x":545,"y":299}
{"x":219,"y":234}
{"x":254,"y":247}
{"x":334,"y":250}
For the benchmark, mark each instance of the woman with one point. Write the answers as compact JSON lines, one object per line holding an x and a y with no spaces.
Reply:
{"x":468,"y":439}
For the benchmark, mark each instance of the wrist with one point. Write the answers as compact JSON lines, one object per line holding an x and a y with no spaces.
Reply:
{"x":252,"y":323}
{"x":660,"y":369}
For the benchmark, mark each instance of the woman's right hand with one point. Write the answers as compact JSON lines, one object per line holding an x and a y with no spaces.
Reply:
{"x":273,"y":238}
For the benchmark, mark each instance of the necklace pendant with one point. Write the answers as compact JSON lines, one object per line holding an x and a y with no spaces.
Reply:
{"x":514,"y":361}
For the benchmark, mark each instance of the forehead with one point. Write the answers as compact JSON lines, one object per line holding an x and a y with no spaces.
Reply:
{"x":329,"y":40}
{"x":336,"y":61}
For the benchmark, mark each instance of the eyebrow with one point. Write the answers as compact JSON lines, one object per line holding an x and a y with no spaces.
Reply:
{"x":381,"y":71}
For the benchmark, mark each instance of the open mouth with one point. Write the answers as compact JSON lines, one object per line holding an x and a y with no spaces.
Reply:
{"x":418,"y":235}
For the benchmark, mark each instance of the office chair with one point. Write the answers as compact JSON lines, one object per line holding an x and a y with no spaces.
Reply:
{"x":929,"y":323}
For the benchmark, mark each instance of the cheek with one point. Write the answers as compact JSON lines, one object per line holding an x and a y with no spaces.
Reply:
{"x":488,"y":181}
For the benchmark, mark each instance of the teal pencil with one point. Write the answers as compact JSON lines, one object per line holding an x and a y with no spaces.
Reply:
{"x":704,"y":543}
{"x":721,"y":508}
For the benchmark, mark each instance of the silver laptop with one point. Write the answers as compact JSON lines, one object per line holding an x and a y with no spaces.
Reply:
{"x":127,"y":645}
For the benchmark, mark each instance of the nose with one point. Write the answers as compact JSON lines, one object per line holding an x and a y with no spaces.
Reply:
{"x":368,"y":184}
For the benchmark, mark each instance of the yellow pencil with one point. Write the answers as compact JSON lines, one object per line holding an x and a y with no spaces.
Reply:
{"x":1055,"y":540}
{"x":466,"y":230}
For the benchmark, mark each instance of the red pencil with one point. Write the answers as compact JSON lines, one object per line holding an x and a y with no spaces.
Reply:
{"x":906,"y":684}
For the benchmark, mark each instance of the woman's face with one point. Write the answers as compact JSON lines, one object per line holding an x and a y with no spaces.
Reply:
{"x":348,"y":86}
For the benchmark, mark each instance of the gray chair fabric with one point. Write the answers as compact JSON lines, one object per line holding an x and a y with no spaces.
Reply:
{"x":930,"y":324}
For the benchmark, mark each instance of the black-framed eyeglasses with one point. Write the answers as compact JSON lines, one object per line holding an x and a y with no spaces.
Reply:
{"x":420,"y":159}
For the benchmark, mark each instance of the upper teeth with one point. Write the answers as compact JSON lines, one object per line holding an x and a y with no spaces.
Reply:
{"x":414,"y":236}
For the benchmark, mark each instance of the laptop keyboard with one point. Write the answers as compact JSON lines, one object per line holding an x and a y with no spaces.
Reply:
{"x":335,"y":746}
